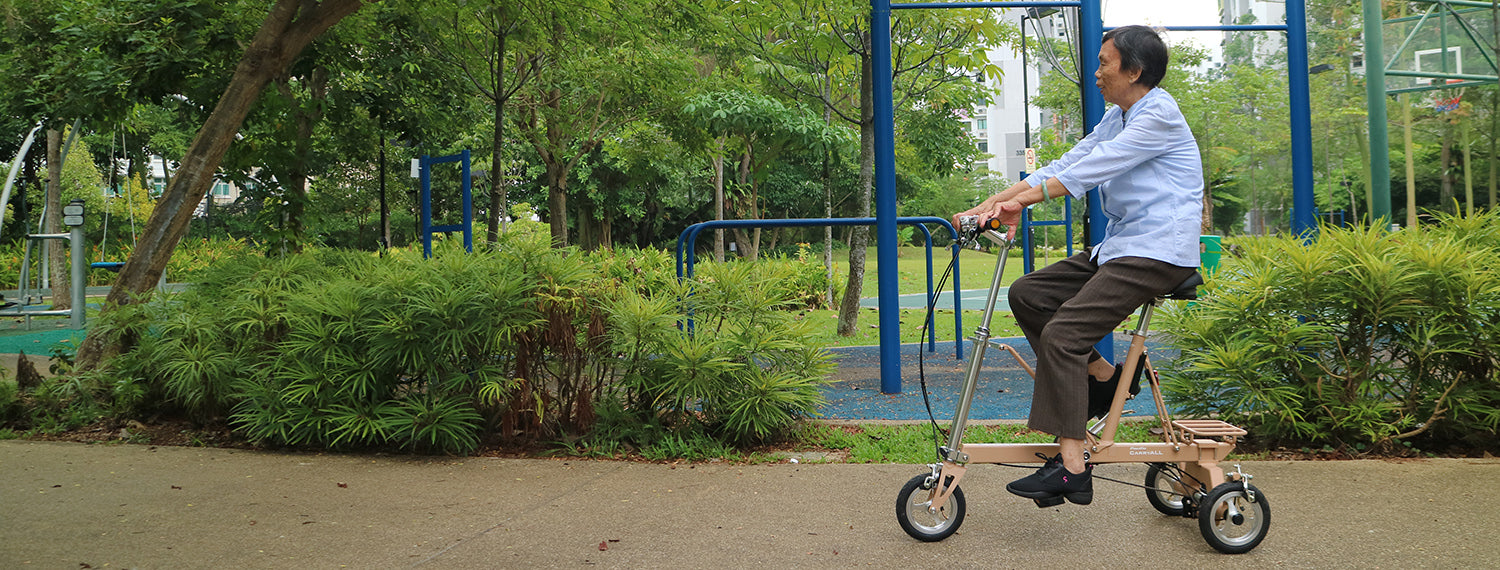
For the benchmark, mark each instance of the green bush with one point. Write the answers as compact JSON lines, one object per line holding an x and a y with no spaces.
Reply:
{"x":742,"y":367}
{"x":1362,"y":338}
{"x":340,"y":349}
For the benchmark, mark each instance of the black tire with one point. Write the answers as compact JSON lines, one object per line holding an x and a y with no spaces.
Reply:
{"x":921,"y":523}
{"x":1163,"y":490}
{"x":1230,"y":521}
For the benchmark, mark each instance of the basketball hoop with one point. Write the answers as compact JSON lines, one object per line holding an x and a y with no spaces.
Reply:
{"x":1449,"y":104}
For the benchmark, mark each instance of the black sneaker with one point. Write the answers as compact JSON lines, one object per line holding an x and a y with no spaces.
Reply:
{"x":1102,"y":394}
{"x":1053,"y":481}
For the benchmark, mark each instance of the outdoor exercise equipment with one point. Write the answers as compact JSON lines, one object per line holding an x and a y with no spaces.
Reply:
{"x":1091,"y":32}
{"x":1183,"y":478}
{"x":15,"y":168}
{"x":422,"y":169}
{"x":73,"y":219}
{"x":73,"y":214}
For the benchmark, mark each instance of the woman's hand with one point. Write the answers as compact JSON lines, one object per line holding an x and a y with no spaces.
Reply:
{"x":1008,"y":212}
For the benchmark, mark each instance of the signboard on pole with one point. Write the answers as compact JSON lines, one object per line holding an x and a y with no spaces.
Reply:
{"x":1030,"y":159}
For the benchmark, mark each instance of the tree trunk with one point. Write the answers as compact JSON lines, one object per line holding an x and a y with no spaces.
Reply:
{"x":57,"y":267}
{"x":557,"y":201}
{"x":585,"y":231}
{"x":749,"y":242}
{"x":499,"y":201}
{"x":1445,"y":171}
{"x":1411,"y":165}
{"x":290,"y":26}
{"x":306,"y":117}
{"x":1206,"y":226}
{"x":385,"y":210}
{"x":849,"y":306}
{"x":828,"y":198}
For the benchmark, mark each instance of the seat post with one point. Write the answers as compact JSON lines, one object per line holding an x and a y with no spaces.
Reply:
{"x":1145,"y":320}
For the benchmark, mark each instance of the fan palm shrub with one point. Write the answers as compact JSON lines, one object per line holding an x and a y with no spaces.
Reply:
{"x":1361,"y":338}
{"x":337,"y":349}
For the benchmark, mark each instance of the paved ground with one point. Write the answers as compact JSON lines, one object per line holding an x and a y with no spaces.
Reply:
{"x":123,"y":506}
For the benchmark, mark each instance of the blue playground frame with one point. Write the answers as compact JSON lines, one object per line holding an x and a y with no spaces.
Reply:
{"x":467,"y":227}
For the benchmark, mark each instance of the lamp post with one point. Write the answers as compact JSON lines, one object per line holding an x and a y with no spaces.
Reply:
{"x":1025,"y":82}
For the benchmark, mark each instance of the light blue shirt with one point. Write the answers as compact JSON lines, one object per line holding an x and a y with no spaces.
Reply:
{"x":1150,"y":179}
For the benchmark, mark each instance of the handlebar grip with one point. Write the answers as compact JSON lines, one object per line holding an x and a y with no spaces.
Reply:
{"x":990,"y":224}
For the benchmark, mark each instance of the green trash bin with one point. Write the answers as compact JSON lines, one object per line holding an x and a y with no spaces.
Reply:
{"x":1210,"y":249}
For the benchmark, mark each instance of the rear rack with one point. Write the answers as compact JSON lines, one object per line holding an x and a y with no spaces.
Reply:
{"x":1209,"y":428}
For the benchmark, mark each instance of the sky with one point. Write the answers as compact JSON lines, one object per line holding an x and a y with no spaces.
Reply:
{"x":1168,"y":13}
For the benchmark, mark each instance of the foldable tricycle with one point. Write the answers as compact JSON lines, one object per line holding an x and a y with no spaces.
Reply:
{"x":1183,"y":477}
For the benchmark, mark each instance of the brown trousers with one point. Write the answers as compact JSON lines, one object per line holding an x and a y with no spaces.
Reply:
{"x":1065,"y":309}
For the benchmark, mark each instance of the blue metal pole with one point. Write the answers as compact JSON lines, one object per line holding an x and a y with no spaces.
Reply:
{"x":425,"y":166}
{"x":1304,"y":214}
{"x":885,"y":197}
{"x":468,"y":205}
{"x":1091,"y":38}
{"x":931,"y":328}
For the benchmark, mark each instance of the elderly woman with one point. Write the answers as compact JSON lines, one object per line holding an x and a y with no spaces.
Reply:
{"x":1145,"y":162}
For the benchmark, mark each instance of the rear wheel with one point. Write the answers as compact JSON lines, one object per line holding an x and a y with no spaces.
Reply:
{"x":923,"y":520}
{"x":1164,"y":489}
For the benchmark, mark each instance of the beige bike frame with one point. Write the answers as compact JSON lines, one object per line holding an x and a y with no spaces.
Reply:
{"x":1196,"y":446}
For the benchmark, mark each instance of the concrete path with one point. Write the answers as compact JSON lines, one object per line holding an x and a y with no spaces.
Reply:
{"x":125,"y":506}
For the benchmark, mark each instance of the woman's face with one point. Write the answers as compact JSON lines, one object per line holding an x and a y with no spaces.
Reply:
{"x":1113,"y":82}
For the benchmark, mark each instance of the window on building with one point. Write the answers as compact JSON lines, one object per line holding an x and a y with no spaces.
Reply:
{"x":981,"y":124}
{"x":966,"y":125}
{"x":221,"y":188}
{"x":984,"y":147}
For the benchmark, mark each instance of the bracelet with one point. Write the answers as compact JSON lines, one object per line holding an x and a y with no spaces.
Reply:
{"x":1044,"y":192}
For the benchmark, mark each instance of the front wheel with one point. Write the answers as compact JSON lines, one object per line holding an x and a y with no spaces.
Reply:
{"x":1231,"y":521}
{"x":923,"y":520}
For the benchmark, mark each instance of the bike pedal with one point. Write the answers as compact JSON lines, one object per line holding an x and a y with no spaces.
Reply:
{"x":1052,"y":501}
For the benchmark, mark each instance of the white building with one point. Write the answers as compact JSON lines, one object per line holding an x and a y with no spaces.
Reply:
{"x":1000,"y":129}
{"x":223,"y":191}
{"x":1266,"y":13}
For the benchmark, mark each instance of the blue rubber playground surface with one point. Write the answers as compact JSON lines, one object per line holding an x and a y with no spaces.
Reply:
{"x":1003,"y":392}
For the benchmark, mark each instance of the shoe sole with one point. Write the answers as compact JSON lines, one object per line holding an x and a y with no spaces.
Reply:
{"x":1044,"y":499}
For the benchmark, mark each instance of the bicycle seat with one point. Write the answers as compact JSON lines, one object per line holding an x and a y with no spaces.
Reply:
{"x":1188,"y":290}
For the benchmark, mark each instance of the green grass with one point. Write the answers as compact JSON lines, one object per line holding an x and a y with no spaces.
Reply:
{"x":915,"y":443}
{"x":867,"y":333}
{"x":976,"y":269}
